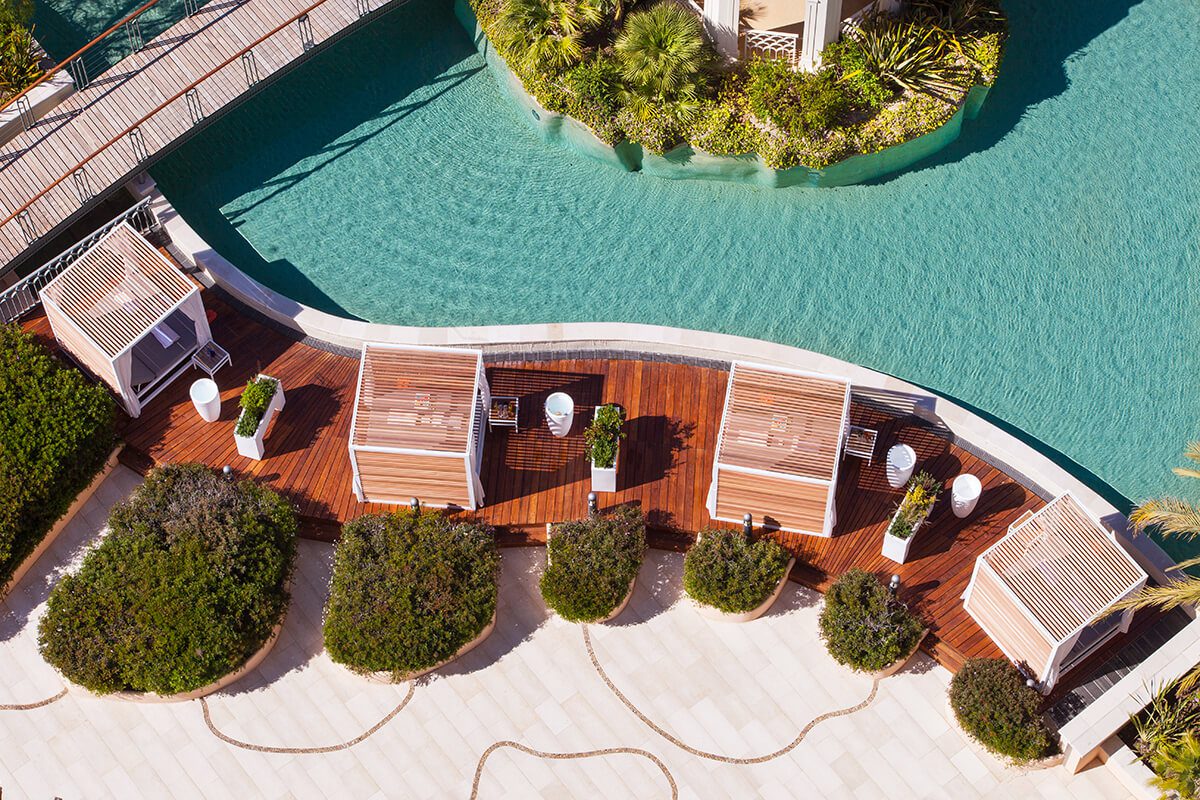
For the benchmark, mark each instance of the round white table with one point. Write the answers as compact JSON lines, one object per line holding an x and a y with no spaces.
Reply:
{"x":206,"y":397}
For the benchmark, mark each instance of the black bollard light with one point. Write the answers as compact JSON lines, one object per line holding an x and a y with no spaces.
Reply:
{"x":414,"y":504}
{"x":227,"y":471}
{"x":593,"y":506}
{"x":747,"y":524}
{"x":894,"y":586}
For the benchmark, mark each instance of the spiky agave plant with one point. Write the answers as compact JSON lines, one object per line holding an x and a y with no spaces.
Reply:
{"x":546,"y":34}
{"x":19,"y":61}
{"x":1170,"y":714}
{"x":662,"y":52}
{"x":906,"y":55}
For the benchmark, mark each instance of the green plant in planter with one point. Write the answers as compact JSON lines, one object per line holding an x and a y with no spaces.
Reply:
{"x":590,"y":564}
{"x":255,"y":399}
{"x":863,"y":626}
{"x":993,"y":705}
{"x":1177,"y":768}
{"x":729,"y":571}
{"x":409,"y":589}
{"x":1172,"y":714}
{"x":603,"y":437}
{"x":918,"y":501}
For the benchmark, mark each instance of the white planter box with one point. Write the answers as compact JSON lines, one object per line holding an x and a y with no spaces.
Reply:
{"x":605,"y":479}
{"x":252,"y":446}
{"x":896,"y":548}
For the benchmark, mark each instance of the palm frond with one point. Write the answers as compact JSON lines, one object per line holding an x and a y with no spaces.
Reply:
{"x":1185,"y":591}
{"x":1171,"y":516}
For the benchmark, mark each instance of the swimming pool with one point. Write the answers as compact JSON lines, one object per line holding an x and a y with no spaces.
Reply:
{"x":1041,"y":269}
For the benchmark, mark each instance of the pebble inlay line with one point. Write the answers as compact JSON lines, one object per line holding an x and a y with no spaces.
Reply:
{"x":32,"y":706}
{"x":332,"y":748}
{"x":608,"y":751}
{"x":787,"y":748}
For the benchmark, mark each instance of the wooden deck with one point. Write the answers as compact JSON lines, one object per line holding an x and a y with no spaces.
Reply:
{"x":531,"y":478}
{"x":90,"y":130}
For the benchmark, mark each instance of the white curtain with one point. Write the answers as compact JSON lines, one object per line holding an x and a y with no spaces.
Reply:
{"x":123,"y":368}
{"x":193,"y":308}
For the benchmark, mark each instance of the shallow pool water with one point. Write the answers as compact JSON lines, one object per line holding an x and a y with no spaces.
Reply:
{"x":1042,"y":269}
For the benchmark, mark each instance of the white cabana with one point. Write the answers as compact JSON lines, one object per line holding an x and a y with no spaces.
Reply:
{"x":1043,"y":593}
{"x":127,"y":315}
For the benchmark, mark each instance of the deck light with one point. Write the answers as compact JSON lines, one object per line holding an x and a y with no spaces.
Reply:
{"x":747,"y":523}
{"x":227,"y":471}
{"x":894,"y":585}
{"x":414,"y":504}
{"x":593,"y":507}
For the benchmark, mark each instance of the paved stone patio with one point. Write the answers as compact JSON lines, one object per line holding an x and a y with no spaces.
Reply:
{"x":527,"y":714}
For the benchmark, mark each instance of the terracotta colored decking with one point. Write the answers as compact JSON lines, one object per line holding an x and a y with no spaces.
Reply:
{"x":531,"y":478}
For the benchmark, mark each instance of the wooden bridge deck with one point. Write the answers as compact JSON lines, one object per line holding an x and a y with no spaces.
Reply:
{"x":90,"y":129}
{"x":531,"y":478}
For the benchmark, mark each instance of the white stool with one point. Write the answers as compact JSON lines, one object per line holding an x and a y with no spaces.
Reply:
{"x":560,"y":413}
{"x":964,"y":494}
{"x":207,"y":399}
{"x":901,"y":461}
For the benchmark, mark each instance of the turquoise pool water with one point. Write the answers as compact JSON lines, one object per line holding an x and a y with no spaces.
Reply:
{"x":64,"y":26}
{"x":1042,"y":269}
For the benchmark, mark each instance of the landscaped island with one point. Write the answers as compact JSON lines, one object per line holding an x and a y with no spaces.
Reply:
{"x":644,"y":77}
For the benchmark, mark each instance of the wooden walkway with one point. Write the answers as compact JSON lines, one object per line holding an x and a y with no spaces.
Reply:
{"x":83,"y":147}
{"x":531,"y":478}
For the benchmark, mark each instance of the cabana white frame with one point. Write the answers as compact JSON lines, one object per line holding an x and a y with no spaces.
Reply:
{"x":1055,"y":665}
{"x":830,"y":500}
{"x":472,"y":457}
{"x":113,"y":369}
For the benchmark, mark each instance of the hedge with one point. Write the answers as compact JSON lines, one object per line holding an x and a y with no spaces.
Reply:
{"x":729,"y":571}
{"x":56,"y":431}
{"x":862,"y":626}
{"x":993,"y":705}
{"x":188,"y":584}
{"x":591,"y":562}
{"x":408,"y":590}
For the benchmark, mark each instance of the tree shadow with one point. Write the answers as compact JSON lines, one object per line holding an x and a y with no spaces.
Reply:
{"x":659,"y":588}
{"x":651,"y":448}
{"x":314,"y":408}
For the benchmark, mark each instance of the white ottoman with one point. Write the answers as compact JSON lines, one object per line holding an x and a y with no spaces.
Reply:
{"x":207,"y":399}
{"x":964,"y":494}
{"x":560,"y":413}
{"x":901,"y":460}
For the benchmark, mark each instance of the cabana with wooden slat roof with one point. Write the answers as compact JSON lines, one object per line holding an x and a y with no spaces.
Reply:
{"x":418,"y":425}
{"x":1043,"y":592}
{"x":127,"y":315}
{"x":779,"y":448}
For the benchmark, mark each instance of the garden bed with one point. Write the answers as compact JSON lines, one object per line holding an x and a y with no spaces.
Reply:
{"x":390,"y":677}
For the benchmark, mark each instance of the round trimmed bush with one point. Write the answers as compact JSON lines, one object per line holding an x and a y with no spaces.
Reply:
{"x":993,"y":705}
{"x":863,"y":627}
{"x":188,"y":584}
{"x":728,"y":571}
{"x":591,"y":563}
{"x":409,"y":589}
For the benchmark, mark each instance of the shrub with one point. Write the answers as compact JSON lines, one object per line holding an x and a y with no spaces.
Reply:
{"x":56,"y":429}
{"x":863,"y":627}
{"x":728,"y":571}
{"x":993,"y":705}
{"x":915,"y":115}
{"x":409,"y":589}
{"x":1177,"y":768}
{"x":590,"y":564}
{"x":15,"y":14}
{"x":594,"y":96}
{"x":188,"y":584}
{"x":797,"y":103}
{"x":603,"y":436}
{"x":1171,"y":714}
{"x":848,"y":58}
{"x":255,"y":399}
{"x":918,"y":501}
{"x":662,"y":51}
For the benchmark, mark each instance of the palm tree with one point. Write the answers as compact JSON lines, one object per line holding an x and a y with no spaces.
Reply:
{"x":547,"y":34}
{"x":1177,"y":768}
{"x":1172,"y":516}
{"x":662,"y":51}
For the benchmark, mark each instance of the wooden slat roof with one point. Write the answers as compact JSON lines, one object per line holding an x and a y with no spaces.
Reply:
{"x":416,"y":398}
{"x":783,"y":422}
{"x":1063,"y":567}
{"x":118,"y":289}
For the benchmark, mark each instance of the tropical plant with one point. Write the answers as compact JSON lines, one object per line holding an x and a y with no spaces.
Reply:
{"x":15,"y":14}
{"x":958,"y":20}
{"x":188,"y":583}
{"x":918,"y":501}
{"x":56,"y":430}
{"x":409,"y":589}
{"x":1170,"y":714}
{"x":591,"y":563}
{"x":1172,"y":517}
{"x":256,"y":397}
{"x":996,"y":708}
{"x":20,"y":61}
{"x":798,"y":103}
{"x":662,"y":52}
{"x":847,"y":57}
{"x":1177,"y":769}
{"x":729,"y":571}
{"x":863,"y":626}
{"x":546,"y":34}
{"x":906,"y":55}
{"x":603,"y":437}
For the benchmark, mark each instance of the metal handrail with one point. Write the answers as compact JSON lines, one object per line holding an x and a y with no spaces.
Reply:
{"x":180,"y":94}
{"x":65,"y":63}
{"x":25,"y":295}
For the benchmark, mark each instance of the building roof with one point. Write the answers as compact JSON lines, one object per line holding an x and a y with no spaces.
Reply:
{"x":783,"y":422}
{"x":118,"y":290}
{"x":1063,"y":567}
{"x":415,"y":398}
